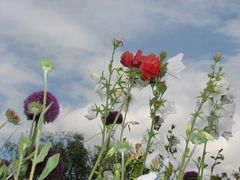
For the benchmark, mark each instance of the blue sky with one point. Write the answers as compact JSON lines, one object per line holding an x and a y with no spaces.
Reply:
{"x":77,"y":34}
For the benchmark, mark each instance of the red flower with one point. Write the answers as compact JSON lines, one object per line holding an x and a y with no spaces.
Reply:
{"x":129,"y":60}
{"x":150,"y":67}
{"x":126,"y":59}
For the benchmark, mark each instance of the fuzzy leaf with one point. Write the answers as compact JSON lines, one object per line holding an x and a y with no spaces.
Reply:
{"x":208,"y":136}
{"x":44,"y":151}
{"x":50,"y":166}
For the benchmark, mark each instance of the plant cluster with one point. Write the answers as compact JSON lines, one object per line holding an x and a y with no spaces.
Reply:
{"x":117,"y":158}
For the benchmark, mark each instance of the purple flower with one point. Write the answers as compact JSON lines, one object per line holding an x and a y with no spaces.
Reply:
{"x":190,"y":175}
{"x":37,"y":97}
{"x":57,"y":173}
{"x":4,"y":161}
{"x":111,"y":117}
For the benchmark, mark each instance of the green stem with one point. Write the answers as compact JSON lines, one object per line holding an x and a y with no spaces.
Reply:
{"x":9,"y":137}
{"x":186,"y":149}
{"x":39,"y":131}
{"x":123,"y":166}
{"x":103,"y":148}
{"x":202,"y":160}
{"x":3,"y":124}
{"x":32,"y":125}
{"x":150,"y":133}
{"x":19,"y":167}
{"x":126,"y":110}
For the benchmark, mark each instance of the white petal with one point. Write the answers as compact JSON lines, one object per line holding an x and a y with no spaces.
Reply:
{"x":140,"y":84}
{"x":168,"y":108}
{"x":150,"y":176}
{"x":99,"y":91}
{"x":150,"y":157}
{"x":171,"y":161}
{"x":107,"y":175}
{"x":207,"y":107}
{"x":91,"y":113}
{"x":220,"y":89}
{"x":95,"y":76}
{"x":175,"y":65}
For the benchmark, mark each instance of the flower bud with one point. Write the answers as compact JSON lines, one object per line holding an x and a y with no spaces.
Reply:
{"x":217,"y":57}
{"x":117,"y":43}
{"x":12,"y":117}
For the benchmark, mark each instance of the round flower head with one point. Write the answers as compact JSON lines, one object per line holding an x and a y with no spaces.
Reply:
{"x":57,"y":173}
{"x":190,"y":175}
{"x":111,"y":117}
{"x":37,"y":98}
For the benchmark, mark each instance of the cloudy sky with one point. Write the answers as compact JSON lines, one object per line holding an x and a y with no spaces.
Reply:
{"x":77,"y":35}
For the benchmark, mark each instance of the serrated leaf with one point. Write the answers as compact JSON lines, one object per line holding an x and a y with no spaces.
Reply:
{"x":44,"y":151}
{"x":50,"y":166}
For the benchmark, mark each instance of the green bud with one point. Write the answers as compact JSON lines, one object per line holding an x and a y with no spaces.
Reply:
{"x":47,"y":64}
{"x":217,"y":56}
{"x":163,"y":55}
{"x":211,"y":75}
{"x":35,"y":108}
{"x":12,"y":117}
{"x":117,"y":43}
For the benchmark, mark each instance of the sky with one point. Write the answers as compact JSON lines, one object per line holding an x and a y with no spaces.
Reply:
{"x":78,"y":36}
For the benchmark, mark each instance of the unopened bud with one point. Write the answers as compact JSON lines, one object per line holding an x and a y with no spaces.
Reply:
{"x":217,"y":56}
{"x":12,"y":117}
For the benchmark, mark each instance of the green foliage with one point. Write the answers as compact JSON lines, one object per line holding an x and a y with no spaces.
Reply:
{"x":51,"y":164}
{"x":77,"y":159}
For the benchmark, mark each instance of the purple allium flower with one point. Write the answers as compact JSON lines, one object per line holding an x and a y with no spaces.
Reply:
{"x":57,"y":173}
{"x":190,"y":175}
{"x":111,"y":117}
{"x":37,"y":97}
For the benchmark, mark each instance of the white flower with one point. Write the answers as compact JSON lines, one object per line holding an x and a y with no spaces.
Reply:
{"x":168,"y":108}
{"x":225,"y":121}
{"x":175,"y":65}
{"x":140,"y":84}
{"x":91,"y":113}
{"x":108,"y":175}
{"x":167,"y":162}
{"x":99,"y":91}
{"x":95,"y":76}
{"x":149,"y":176}
{"x":150,"y":157}
{"x":221,"y":89}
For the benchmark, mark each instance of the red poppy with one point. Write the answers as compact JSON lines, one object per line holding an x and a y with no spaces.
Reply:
{"x":128,"y":60}
{"x":150,"y":67}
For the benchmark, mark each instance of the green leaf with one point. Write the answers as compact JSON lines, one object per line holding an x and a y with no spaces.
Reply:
{"x":24,"y":142}
{"x":111,"y":152}
{"x":44,"y":151}
{"x":189,"y":126}
{"x":50,"y":166}
{"x":3,"y":171}
{"x":197,"y":138}
{"x":208,"y":136}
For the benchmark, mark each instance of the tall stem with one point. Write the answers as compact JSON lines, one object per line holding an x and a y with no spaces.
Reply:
{"x":3,"y":124}
{"x":186,"y":149}
{"x":32,"y":126}
{"x":110,"y":131}
{"x":202,"y":161}
{"x":39,"y":131}
{"x":123,"y":166}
